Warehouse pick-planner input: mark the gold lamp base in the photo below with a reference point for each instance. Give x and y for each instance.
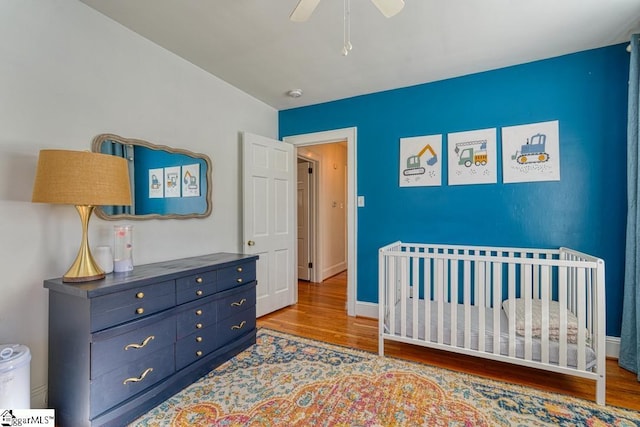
(84, 268)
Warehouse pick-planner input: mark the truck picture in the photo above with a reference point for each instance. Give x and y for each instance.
(533, 151)
(472, 153)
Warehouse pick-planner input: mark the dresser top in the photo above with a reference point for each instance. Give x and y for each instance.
(148, 274)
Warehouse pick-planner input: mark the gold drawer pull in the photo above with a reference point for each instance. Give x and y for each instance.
(239, 303)
(198, 339)
(198, 325)
(199, 280)
(199, 292)
(140, 378)
(198, 312)
(139, 310)
(140, 295)
(239, 269)
(240, 326)
(239, 280)
(199, 353)
(137, 346)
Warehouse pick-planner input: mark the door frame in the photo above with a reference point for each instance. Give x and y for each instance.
(350, 136)
(315, 160)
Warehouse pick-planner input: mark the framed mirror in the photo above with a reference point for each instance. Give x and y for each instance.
(166, 182)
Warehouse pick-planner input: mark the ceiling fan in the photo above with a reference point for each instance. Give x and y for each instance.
(305, 8)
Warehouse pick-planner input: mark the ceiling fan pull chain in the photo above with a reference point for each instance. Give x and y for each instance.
(347, 28)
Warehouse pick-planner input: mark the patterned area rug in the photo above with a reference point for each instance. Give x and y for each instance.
(285, 380)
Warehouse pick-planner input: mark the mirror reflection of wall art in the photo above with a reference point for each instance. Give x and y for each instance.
(156, 183)
(191, 180)
(472, 157)
(531, 152)
(421, 161)
(172, 181)
(158, 174)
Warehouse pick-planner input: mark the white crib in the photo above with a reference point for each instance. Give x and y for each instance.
(532, 307)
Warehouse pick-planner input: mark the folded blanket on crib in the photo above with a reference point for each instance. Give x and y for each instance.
(536, 319)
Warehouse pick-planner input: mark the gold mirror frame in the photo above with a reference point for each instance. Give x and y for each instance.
(96, 147)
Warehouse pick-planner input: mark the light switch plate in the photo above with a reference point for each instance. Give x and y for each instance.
(360, 201)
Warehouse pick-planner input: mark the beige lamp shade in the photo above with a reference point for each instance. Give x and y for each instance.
(81, 178)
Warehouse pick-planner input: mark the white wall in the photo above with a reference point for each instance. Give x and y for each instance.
(68, 73)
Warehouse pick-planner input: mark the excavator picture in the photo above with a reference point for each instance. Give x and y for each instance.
(473, 153)
(533, 151)
(413, 162)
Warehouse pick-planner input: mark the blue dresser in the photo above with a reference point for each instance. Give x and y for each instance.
(121, 345)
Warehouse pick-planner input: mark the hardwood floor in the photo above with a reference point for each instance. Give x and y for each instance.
(320, 314)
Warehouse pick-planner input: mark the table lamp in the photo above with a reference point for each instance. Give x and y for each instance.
(86, 180)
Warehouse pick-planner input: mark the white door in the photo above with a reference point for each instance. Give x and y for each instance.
(304, 259)
(269, 178)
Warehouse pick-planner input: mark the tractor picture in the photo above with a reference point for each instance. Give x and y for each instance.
(533, 151)
(414, 166)
(472, 153)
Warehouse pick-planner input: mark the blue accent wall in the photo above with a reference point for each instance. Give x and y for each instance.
(586, 210)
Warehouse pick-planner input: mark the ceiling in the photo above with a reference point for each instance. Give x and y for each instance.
(252, 45)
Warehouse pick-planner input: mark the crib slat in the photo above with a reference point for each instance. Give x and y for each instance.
(581, 302)
(453, 302)
(440, 266)
(467, 302)
(536, 278)
(562, 302)
(404, 291)
(589, 296)
(511, 271)
(481, 297)
(415, 294)
(392, 286)
(544, 301)
(496, 286)
(528, 322)
(427, 299)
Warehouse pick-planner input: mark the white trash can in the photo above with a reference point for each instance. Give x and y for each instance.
(15, 377)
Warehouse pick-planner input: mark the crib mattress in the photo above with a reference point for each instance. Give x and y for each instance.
(554, 347)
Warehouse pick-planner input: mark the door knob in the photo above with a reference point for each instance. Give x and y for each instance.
(251, 243)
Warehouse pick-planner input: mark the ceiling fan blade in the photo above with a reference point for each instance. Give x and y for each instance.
(389, 7)
(303, 10)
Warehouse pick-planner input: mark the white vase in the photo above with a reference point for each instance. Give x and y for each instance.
(104, 258)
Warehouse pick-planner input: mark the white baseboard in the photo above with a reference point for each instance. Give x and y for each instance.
(613, 347)
(369, 309)
(334, 269)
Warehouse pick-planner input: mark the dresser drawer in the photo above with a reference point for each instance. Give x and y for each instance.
(113, 309)
(237, 325)
(120, 350)
(238, 301)
(196, 286)
(198, 315)
(195, 346)
(236, 275)
(132, 378)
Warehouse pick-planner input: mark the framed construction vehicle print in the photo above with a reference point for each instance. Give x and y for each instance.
(472, 157)
(531, 152)
(421, 161)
